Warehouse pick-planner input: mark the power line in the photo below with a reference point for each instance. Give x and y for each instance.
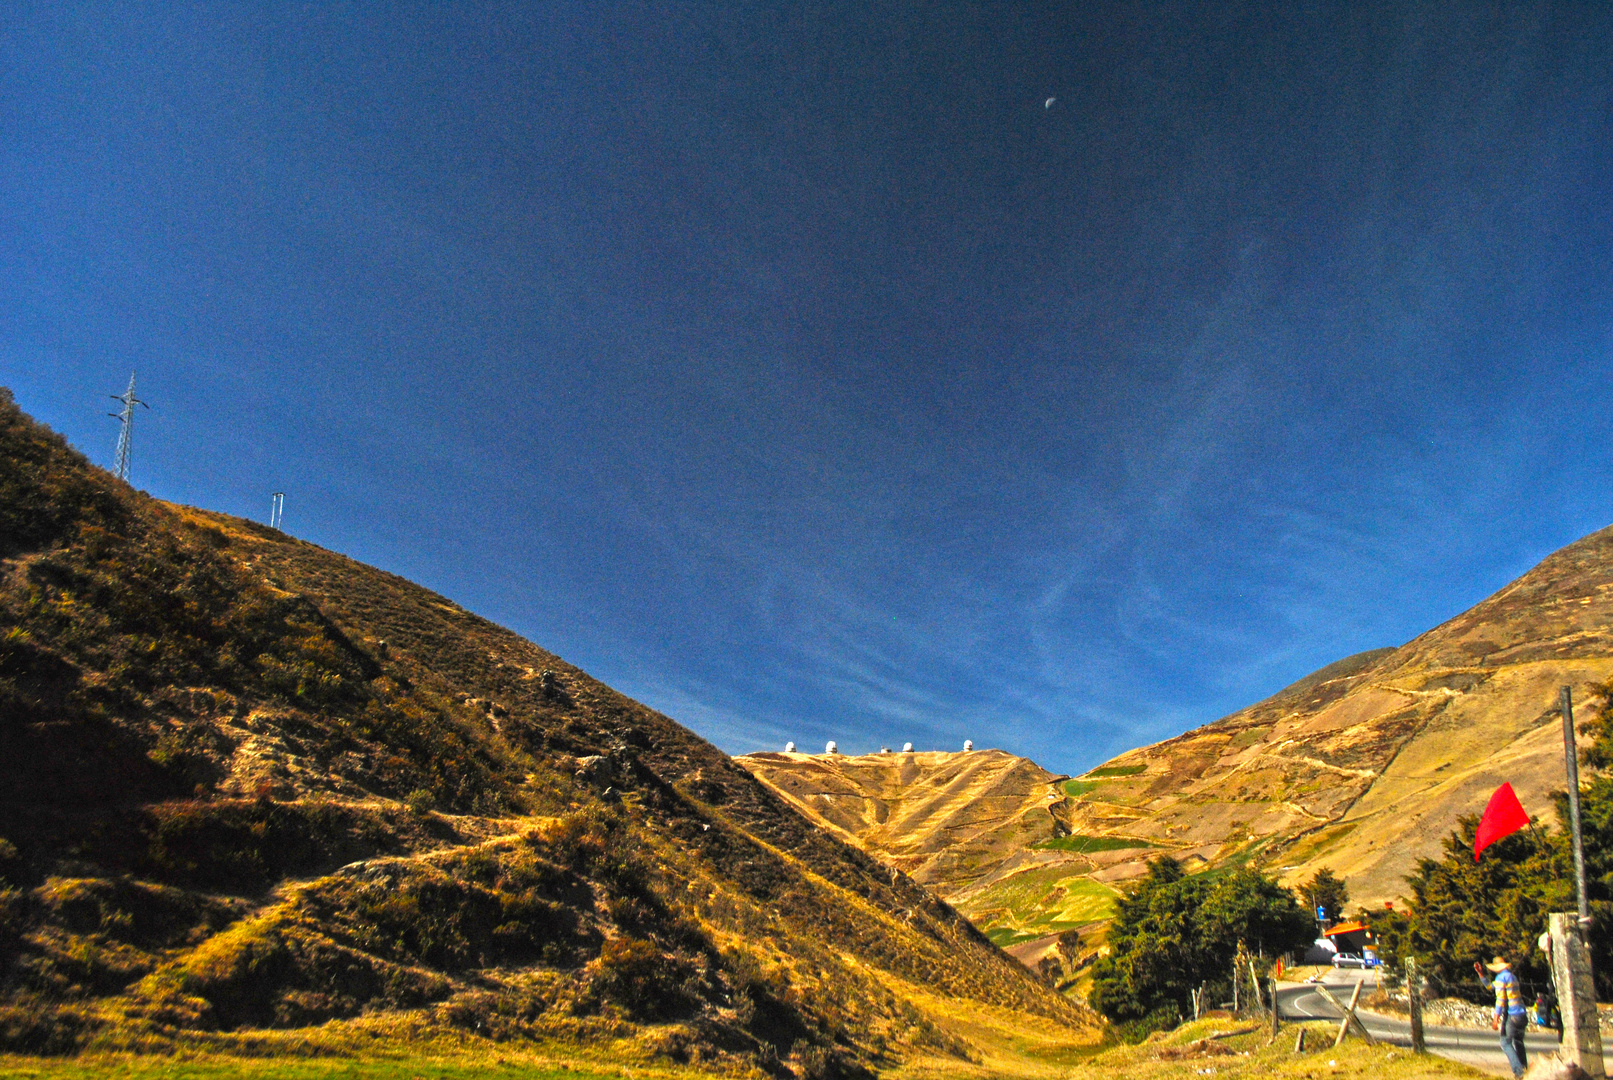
(125, 451)
(277, 509)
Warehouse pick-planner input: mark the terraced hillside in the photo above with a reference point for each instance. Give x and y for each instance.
(249, 786)
(985, 830)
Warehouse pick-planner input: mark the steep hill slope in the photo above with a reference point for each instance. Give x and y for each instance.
(247, 784)
(1365, 766)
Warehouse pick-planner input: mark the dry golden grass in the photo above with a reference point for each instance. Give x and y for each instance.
(1001, 1042)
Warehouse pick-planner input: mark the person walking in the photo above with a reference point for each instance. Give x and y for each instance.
(1511, 1015)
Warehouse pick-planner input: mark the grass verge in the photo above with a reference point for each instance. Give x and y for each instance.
(318, 1056)
(1190, 1050)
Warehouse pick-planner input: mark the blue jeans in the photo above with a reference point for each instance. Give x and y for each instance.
(1512, 1029)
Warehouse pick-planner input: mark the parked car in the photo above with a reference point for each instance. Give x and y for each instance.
(1349, 960)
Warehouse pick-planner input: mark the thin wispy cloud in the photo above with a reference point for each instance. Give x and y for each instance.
(855, 398)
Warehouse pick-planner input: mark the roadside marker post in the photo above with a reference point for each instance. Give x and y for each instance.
(1570, 956)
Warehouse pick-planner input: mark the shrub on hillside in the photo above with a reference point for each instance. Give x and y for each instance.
(643, 981)
(47, 487)
(246, 844)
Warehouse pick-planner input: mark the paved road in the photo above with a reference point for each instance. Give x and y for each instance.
(1481, 1049)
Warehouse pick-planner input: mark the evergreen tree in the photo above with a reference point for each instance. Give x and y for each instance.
(1327, 891)
(1173, 932)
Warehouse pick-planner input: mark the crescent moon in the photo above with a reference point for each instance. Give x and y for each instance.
(1048, 104)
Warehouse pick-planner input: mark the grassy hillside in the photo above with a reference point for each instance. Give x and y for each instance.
(257, 797)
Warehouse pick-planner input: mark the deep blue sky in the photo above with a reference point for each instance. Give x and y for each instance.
(801, 374)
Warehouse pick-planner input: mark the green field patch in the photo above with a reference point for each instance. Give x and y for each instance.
(1246, 854)
(1248, 737)
(1004, 936)
(1117, 770)
(1042, 901)
(1078, 787)
(1086, 845)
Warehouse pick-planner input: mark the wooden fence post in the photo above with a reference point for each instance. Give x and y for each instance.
(1349, 1014)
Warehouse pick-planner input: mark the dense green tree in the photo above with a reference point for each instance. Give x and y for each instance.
(1174, 931)
(1327, 891)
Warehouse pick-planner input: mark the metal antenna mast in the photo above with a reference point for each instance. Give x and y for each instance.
(277, 509)
(126, 434)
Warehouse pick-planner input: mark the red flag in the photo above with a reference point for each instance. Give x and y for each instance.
(1503, 817)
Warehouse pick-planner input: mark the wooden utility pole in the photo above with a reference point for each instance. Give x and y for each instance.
(1414, 1005)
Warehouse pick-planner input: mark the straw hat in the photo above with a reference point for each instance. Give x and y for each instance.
(1498, 964)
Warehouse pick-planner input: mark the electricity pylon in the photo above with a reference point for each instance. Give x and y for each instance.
(126, 434)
